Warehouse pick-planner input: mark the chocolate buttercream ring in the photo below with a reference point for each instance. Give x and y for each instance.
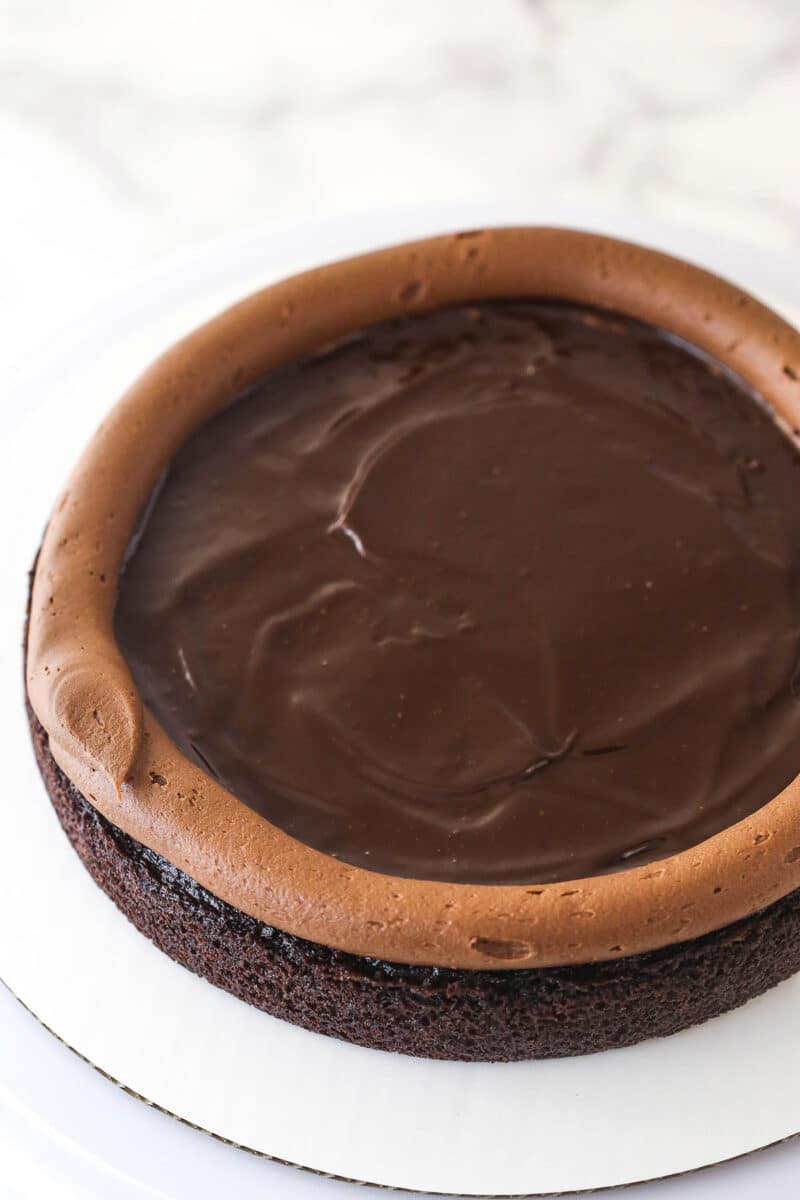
(120, 758)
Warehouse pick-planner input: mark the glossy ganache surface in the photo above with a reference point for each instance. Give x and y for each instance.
(506, 593)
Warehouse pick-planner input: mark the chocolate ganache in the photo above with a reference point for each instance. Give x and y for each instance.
(506, 593)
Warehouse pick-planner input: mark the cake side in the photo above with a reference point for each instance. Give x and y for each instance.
(429, 1012)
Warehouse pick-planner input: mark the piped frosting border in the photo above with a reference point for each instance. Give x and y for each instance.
(115, 752)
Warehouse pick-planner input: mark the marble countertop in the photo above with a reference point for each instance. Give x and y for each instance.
(128, 131)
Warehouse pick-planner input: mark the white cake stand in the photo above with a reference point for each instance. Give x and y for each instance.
(654, 1110)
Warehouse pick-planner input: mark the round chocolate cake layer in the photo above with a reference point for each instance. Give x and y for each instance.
(425, 1011)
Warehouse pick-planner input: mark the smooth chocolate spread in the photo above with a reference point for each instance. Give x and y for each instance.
(505, 593)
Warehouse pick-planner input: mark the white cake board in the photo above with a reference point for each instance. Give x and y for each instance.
(657, 1109)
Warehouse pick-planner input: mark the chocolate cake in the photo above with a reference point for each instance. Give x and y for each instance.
(414, 652)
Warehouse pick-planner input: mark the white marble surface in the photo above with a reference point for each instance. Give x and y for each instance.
(129, 130)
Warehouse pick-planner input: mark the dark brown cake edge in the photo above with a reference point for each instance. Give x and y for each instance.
(429, 1012)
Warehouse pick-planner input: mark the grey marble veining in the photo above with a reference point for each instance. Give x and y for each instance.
(130, 130)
